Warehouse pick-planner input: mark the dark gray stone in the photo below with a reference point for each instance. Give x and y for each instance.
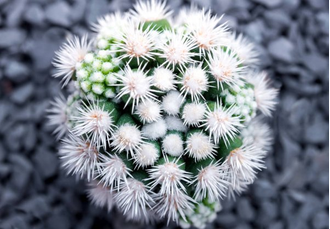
(277, 18)
(287, 178)
(312, 205)
(243, 226)
(318, 131)
(242, 5)
(310, 153)
(316, 63)
(34, 14)
(8, 197)
(36, 206)
(296, 222)
(268, 213)
(45, 162)
(230, 20)
(324, 104)
(122, 5)
(202, 3)
(17, 71)
(227, 205)
(71, 201)
(325, 201)
(287, 205)
(269, 4)
(322, 42)
(39, 184)
(16, 11)
(15, 221)
(26, 113)
(255, 30)
(5, 129)
(95, 10)
(209, 226)
(263, 189)
(44, 137)
(281, 49)
(30, 140)
(297, 196)
(39, 109)
(317, 177)
(321, 184)
(291, 4)
(15, 136)
(42, 47)
(131, 225)
(2, 2)
(291, 149)
(241, 15)
(86, 223)
(11, 37)
(58, 13)
(321, 220)
(174, 5)
(306, 77)
(3, 152)
(244, 209)
(59, 218)
(4, 170)
(276, 225)
(227, 220)
(222, 6)
(22, 94)
(77, 11)
(323, 20)
(318, 4)
(21, 173)
(296, 116)
(302, 89)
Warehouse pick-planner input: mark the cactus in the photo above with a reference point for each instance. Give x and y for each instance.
(165, 119)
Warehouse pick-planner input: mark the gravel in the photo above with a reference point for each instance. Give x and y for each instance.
(23, 93)
(292, 37)
(269, 4)
(11, 37)
(58, 13)
(17, 71)
(282, 49)
(34, 15)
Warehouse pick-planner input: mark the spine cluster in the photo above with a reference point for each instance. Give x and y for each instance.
(166, 116)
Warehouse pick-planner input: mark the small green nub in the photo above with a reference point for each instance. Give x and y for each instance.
(125, 119)
(159, 25)
(211, 105)
(213, 91)
(156, 144)
(194, 167)
(180, 162)
(180, 134)
(140, 175)
(111, 108)
(193, 131)
(224, 150)
(126, 160)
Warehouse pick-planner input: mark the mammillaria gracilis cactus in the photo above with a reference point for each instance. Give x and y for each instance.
(165, 117)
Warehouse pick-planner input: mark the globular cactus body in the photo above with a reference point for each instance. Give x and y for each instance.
(164, 120)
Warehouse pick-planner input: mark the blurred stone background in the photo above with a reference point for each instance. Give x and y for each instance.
(292, 36)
